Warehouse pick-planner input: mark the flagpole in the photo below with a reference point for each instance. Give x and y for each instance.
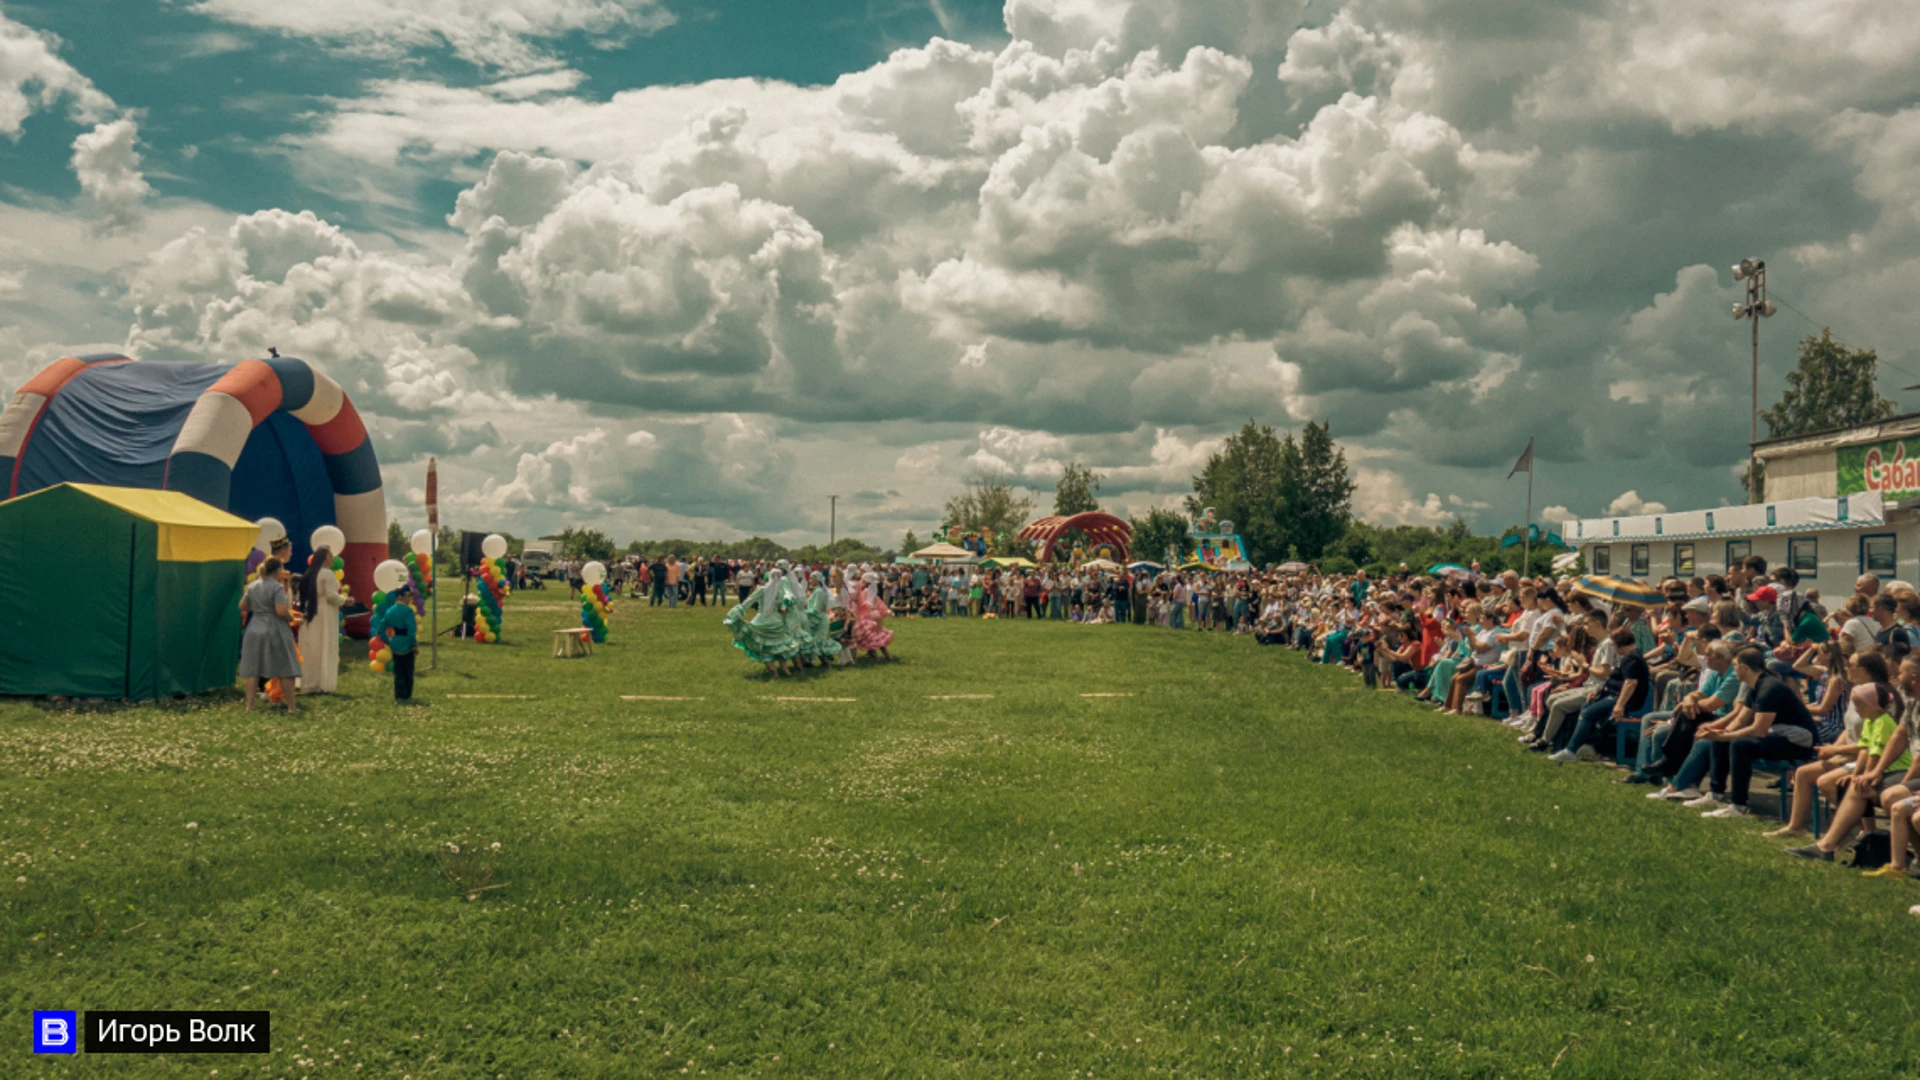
(1526, 558)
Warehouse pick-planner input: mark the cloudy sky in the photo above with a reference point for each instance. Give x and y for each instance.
(685, 267)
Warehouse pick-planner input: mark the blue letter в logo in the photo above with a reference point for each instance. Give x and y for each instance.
(54, 1032)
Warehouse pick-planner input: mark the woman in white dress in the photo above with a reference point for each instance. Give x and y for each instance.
(320, 603)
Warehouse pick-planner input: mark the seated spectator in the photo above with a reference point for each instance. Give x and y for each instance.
(1624, 694)
(1711, 699)
(1881, 769)
(1836, 758)
(1576, 690)
(1774, 725)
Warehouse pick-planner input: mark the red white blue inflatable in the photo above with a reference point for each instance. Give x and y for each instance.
(265, 438)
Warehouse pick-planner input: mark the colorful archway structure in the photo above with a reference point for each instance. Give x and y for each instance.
(264, 438)
(1100, 528)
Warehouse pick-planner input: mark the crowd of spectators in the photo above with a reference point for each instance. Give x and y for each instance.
(1723, 677)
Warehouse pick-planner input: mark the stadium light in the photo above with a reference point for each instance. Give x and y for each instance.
(1757, 307)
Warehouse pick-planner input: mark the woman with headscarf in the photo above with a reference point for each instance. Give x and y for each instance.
(320, 603)
(799, 626)
(870, 636)
(764, 637)
(820, 641)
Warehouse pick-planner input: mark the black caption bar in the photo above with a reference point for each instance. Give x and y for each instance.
(135, 1032)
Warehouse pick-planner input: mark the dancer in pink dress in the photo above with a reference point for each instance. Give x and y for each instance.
(869, 614)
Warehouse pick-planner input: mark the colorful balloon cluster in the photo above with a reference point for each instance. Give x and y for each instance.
(493, 588)
(419, 563)
(388, 576)
(595, 604)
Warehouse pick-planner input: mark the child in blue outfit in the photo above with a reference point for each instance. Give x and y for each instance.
(399, 627)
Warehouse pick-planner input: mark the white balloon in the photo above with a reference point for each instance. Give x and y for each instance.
(390, 575)
(270, 530)
(422, 542)
(494, 546)
(593, 573)
(329, 537)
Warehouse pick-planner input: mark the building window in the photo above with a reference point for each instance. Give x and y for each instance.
(1602, 559)
(1877, 555)
(1642, 560)
(1737, 552)
(1803, 554)
(1683, 560)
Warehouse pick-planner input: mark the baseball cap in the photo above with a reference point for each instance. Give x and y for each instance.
(1765, 594)
(1700, 604)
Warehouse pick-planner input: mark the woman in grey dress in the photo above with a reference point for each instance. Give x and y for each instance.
(266, 648)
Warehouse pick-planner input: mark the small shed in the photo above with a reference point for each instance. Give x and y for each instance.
(114, 592)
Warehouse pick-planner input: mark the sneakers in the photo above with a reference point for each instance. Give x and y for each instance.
(1634, 778)
(1887, 871)
(1539, 746)
(1563, 756)
(1528, 737)
(1732, 810)
(1476, 696)
(1703, 802)
(1814, 852)
(1588, 753)
(1663, 792)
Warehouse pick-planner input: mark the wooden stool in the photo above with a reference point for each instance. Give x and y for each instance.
(570, 643)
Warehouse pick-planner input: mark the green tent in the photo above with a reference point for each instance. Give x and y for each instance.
(119, 592)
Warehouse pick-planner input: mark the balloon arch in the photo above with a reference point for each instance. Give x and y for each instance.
(1099, 528)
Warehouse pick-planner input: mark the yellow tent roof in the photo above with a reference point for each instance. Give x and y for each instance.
(190, 530)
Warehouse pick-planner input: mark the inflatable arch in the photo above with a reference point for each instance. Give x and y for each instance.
(264, 438)
(1100, 528)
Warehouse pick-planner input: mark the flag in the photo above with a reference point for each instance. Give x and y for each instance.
(433, 496)
(1525, 464)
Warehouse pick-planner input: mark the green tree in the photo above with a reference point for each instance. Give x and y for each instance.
(1243, 482)
(989, 507)
(910, 543)
(397, 546)
(1076, 490)
(585, 543)
(1832, 387)
(1158, 531)
(1316, 489)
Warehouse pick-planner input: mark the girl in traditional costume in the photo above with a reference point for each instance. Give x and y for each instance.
(765, 638)
(870, 635)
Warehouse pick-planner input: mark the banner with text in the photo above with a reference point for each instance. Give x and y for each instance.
(1891, 468)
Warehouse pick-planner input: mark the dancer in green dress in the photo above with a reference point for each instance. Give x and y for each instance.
(821, 643)
(765, 638)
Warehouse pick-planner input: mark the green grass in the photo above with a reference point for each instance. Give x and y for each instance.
(1249, 867)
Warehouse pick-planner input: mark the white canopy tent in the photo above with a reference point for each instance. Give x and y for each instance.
(946, 553)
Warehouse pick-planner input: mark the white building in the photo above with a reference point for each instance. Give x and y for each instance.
(1840, 504)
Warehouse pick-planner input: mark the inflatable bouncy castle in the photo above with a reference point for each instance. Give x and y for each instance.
(264, 438)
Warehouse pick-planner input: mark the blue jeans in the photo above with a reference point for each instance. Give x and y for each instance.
(1699, 762)
(1516, 695)
(1653, 737)
(1483, 682)
(1595, 719)
(1177, 618)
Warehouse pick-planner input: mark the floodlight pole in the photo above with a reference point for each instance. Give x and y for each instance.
(1757, 307)
(833, 508)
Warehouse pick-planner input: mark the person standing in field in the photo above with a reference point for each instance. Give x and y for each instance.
(266, 646)
(320, 603)
(399, 629)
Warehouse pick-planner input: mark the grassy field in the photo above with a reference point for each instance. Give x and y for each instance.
(1246, 866)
